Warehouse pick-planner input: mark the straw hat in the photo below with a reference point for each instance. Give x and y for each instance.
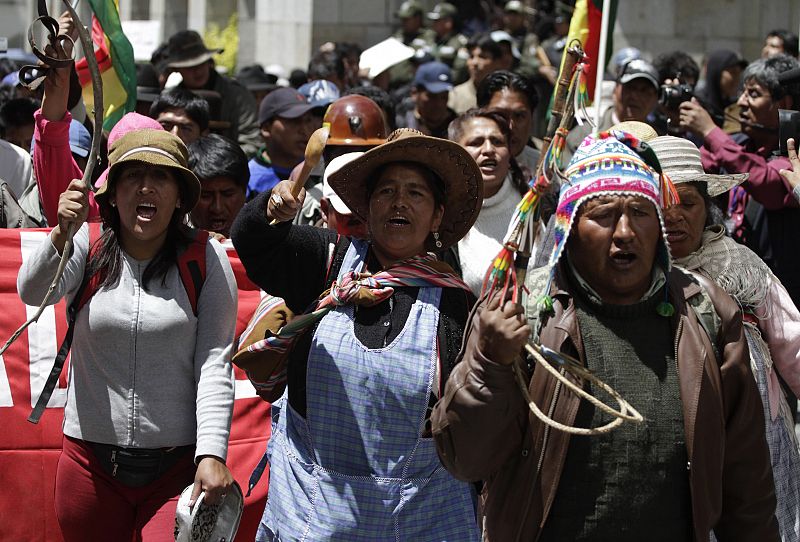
(642, 130)
(157, 148)
(463, 184)
(680, 160)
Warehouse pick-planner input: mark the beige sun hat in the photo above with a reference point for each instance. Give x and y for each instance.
(463, 183)
(681, 161)
(642, 130)
(155, 148)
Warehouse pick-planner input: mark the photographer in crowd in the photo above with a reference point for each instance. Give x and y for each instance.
(678, 74)
(767, 222)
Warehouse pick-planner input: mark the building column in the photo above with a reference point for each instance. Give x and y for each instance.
(196, 16)
(279, 33)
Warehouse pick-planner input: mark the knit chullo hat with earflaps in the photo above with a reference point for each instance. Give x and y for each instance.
(612, 163)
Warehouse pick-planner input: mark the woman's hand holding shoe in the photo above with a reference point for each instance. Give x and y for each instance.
(214, 478)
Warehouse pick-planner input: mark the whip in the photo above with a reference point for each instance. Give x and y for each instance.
(509, 268)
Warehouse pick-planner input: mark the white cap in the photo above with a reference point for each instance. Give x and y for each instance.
(327, 191)
(382, 56)
(499, 36)
(276, 70)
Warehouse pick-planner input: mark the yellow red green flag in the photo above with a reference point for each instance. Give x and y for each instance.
(114, 55)
(585, 27)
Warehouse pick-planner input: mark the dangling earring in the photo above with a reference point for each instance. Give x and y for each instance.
(178, 204)
(436, 240)
(113, 203)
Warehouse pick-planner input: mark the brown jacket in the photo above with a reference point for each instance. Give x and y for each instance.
(484, 430)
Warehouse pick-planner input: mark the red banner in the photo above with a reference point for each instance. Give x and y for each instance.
(29, 453)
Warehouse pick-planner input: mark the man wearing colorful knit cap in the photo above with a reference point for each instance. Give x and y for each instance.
(669, 343)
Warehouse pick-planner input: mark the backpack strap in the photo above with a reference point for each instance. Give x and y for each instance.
(192, 267)
(87, 288)
(89, 285)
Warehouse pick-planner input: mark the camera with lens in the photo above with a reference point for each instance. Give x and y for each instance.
(788, 120)
(672, 96)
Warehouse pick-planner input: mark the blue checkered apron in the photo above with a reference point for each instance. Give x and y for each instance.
(355, 469)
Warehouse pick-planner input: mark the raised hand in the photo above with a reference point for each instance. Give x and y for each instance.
(792, 176)
(281, 205)
(503, 330)
(73, 208)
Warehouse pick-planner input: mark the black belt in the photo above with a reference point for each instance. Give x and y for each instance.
(137, 467)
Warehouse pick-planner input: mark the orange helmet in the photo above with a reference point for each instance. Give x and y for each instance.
(355, 120)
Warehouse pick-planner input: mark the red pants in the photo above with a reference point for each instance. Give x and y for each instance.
(92, 506)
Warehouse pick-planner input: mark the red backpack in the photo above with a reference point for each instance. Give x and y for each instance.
(192, 270)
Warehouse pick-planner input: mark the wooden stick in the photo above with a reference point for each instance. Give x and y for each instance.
(97, 89)
(314, 148)
(574, 55)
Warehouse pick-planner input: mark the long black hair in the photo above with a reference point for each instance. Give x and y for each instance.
(106, 253)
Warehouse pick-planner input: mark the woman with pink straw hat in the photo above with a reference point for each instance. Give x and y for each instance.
(53, 163)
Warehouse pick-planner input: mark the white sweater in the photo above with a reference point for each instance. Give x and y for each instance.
(145, 372)
(484, 240)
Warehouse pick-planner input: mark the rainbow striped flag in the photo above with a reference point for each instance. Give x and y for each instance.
(114, 55)
(585, 27)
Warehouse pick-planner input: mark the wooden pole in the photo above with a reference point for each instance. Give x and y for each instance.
(601, 64)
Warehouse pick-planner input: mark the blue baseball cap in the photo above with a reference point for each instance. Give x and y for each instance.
(319, 93)
(435, 77)
(10, 80)
(80, 140)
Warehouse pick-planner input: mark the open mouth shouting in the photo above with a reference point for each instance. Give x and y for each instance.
(218, 224)
(398, 221)
(676, 236)
(146, 211)
(488, 166)
(623, 259)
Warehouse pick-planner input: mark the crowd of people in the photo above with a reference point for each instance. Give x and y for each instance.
(404, 403)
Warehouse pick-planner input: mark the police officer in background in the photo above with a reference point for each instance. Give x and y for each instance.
(449, 44)
(412, 33)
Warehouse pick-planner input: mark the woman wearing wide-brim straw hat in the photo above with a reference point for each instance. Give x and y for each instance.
(771, 321)
(351, 455)
(150, 393)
